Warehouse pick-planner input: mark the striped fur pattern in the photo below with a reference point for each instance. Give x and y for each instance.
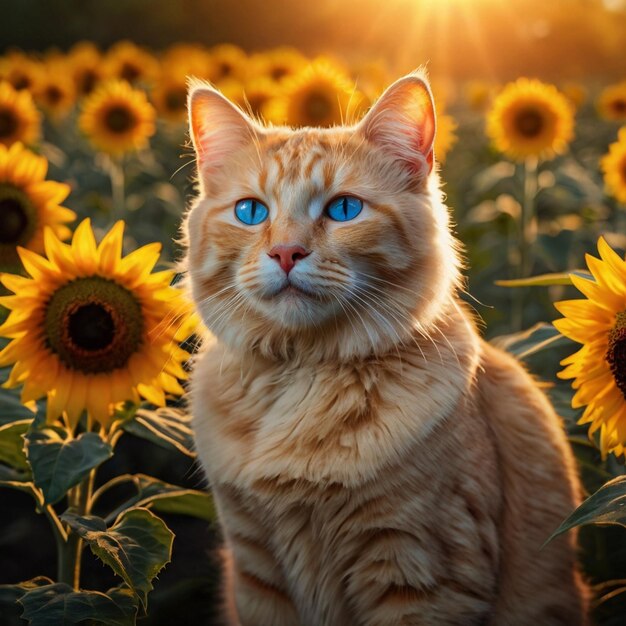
(373, 461)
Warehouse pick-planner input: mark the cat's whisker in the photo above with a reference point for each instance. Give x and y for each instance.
(192, 161)
(224, 309)
(409, 329)
(385, 321)
(338, 298)
(365, 326)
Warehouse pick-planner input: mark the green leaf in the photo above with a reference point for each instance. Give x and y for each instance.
(27, 487)
(10, 594)
(136, 547)
(11, 407)
(58, 603)
(605, 506)
(12, 444)
(13, 475)
(167, 498)
(186, 502)
(58, 463)
(528, 342)
(167, 427)
(545, 280)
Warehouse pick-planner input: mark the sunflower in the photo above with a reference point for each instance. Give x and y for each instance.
(117, 118)
(129, 62)
(227, 61)
(28, 204)
(320, 95)
(277, 64)
(19, 118)
(55, 91)
(445, 137)
(170, 96)
(258, 93)
(86, 67)
(599, 367)
(232, 89)
(91, 329)
(612, 102)
(530, 118)
(22, 71)
(183, 60)
(614, 167)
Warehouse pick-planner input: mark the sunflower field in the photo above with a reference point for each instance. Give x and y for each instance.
(96, 170)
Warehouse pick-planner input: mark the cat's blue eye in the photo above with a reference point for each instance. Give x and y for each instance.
(344, 208)
(251, 212)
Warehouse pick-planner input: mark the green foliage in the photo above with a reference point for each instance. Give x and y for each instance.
(544, 280)
(58, 603)
(167, 427)
(12, 593)
(528, 342)
(12, 444)
(605, 506)
(11, 409)
(167, 498)
(56, 466)
(136, 547)
(60, 462)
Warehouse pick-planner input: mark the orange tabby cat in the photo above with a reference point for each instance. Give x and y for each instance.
(373, 461)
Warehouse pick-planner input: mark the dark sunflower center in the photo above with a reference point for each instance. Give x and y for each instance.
(278, 72)
(318, 107)
(619, 106)
(130, 72)
(53, 94)
(176, 99)
(119, 119)
(88, 81)
(8, 123)
(257, 101)
(21, 81)
(616, 352)
(13, 220)
(94, 325)
(225, 69)
(529, 123)
(18, 216)
(91, 326)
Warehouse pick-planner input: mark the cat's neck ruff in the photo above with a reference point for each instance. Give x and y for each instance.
(329, 422)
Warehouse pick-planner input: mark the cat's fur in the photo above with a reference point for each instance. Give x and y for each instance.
(373, 461)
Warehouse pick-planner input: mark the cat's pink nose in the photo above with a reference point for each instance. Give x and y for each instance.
(287, 256)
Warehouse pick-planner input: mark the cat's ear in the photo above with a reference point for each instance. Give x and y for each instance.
(403, 122)
(217, 127)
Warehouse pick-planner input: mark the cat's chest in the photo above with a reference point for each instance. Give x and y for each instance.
(321, 423)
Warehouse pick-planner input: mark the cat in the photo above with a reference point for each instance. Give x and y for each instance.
(374, 462)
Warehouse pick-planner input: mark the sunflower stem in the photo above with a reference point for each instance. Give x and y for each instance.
(526, 236)
(116, 173)
(71, 551)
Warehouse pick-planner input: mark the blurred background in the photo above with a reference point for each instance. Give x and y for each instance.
(495, 39)
(472, 49)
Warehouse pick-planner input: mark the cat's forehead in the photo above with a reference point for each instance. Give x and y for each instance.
(296, 142)
(297, 154)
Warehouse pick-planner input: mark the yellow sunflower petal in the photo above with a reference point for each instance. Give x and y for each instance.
(87, 330)
(110, 248)
(598, 369)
